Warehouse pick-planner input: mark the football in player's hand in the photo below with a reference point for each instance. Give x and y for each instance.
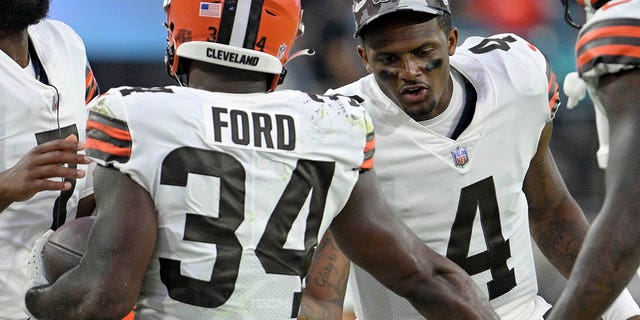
(66, 247)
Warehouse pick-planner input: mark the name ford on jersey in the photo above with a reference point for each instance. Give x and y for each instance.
(232, 57)
(260, 130)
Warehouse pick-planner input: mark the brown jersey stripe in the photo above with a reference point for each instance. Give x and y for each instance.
(100, 150)
(369, 151)
(608, 35)
(617, 54)
(106, 147)
(97, 134)
(554, 93)
(91, 84)
(108, 121)
(112, 132)
(553, 88)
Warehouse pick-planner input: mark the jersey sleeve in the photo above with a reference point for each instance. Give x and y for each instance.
(108, 136)
(363, 123)
(519, 65)
(610, 41)
(92, 89)
(552, 86)
(370, 145)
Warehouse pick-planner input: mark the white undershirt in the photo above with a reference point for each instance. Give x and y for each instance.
(445, 123)
(30, 69)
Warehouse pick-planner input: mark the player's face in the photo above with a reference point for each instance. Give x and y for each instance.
(19, 14)
(410, 61)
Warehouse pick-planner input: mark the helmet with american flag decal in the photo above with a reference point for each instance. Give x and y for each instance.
(255, 35)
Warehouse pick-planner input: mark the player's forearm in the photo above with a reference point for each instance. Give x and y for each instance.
(326, 282)
(312, 309)
(450, 294)
(560, 233)
(74, 300)
(603, 269)
(5, 199)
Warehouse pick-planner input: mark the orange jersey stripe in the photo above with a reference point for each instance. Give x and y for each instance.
(613, 31)
(611, 50)
(89, 79)
(129, 316)
(90, 95)
(370, 145)
(553, 87)
(367, 164)
(111, 131)
(106, 147)
(554, 100)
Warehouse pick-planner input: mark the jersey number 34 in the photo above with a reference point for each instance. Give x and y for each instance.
(275, 259)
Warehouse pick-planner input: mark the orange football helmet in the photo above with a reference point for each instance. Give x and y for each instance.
(255, 35)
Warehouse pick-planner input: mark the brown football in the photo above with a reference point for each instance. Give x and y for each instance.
(66, 247)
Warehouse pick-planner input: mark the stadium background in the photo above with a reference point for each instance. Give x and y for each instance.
(125, 43)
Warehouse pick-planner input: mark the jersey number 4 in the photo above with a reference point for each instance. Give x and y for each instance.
(308, 177)
(481, 196)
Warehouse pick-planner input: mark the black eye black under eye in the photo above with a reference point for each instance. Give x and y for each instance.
(434, 64)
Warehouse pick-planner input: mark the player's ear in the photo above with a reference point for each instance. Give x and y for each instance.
(452, 40)
(362, 52)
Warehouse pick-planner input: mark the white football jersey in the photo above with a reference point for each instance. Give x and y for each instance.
(464, 197)
(244, 185)
(607, 44)
(29, 118)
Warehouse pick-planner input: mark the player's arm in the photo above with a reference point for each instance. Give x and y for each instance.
(374, 238)
(326, 282)
(35, 170)
(557, 223)
(106, 283)
(611, 252)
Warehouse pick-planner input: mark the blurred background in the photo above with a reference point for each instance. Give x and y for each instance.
(125, 43)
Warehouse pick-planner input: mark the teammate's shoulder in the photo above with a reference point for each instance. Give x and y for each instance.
(616, 9)
(115, 102)
(331, 98)
(53, 24)
(351, 89)
(607, 43)
(55, 30)
(622, 14)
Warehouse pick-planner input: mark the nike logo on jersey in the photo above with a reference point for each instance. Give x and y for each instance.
(260, 130)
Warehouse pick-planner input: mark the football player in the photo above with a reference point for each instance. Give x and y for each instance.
(45, 82)
(462, 153)
(211, 198)
(608, 61)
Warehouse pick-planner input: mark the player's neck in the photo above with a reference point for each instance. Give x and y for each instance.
(16, 45)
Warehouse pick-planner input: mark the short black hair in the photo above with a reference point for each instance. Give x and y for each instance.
(444, 21)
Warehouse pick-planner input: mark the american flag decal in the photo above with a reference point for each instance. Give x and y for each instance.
(210, 9)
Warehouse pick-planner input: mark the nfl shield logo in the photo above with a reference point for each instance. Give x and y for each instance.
(460, 157)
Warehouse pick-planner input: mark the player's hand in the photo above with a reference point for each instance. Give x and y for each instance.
(634, 318)
(35, 266)
(34, 171)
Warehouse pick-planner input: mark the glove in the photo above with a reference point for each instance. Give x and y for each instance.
(35, 266)
(575, 89)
